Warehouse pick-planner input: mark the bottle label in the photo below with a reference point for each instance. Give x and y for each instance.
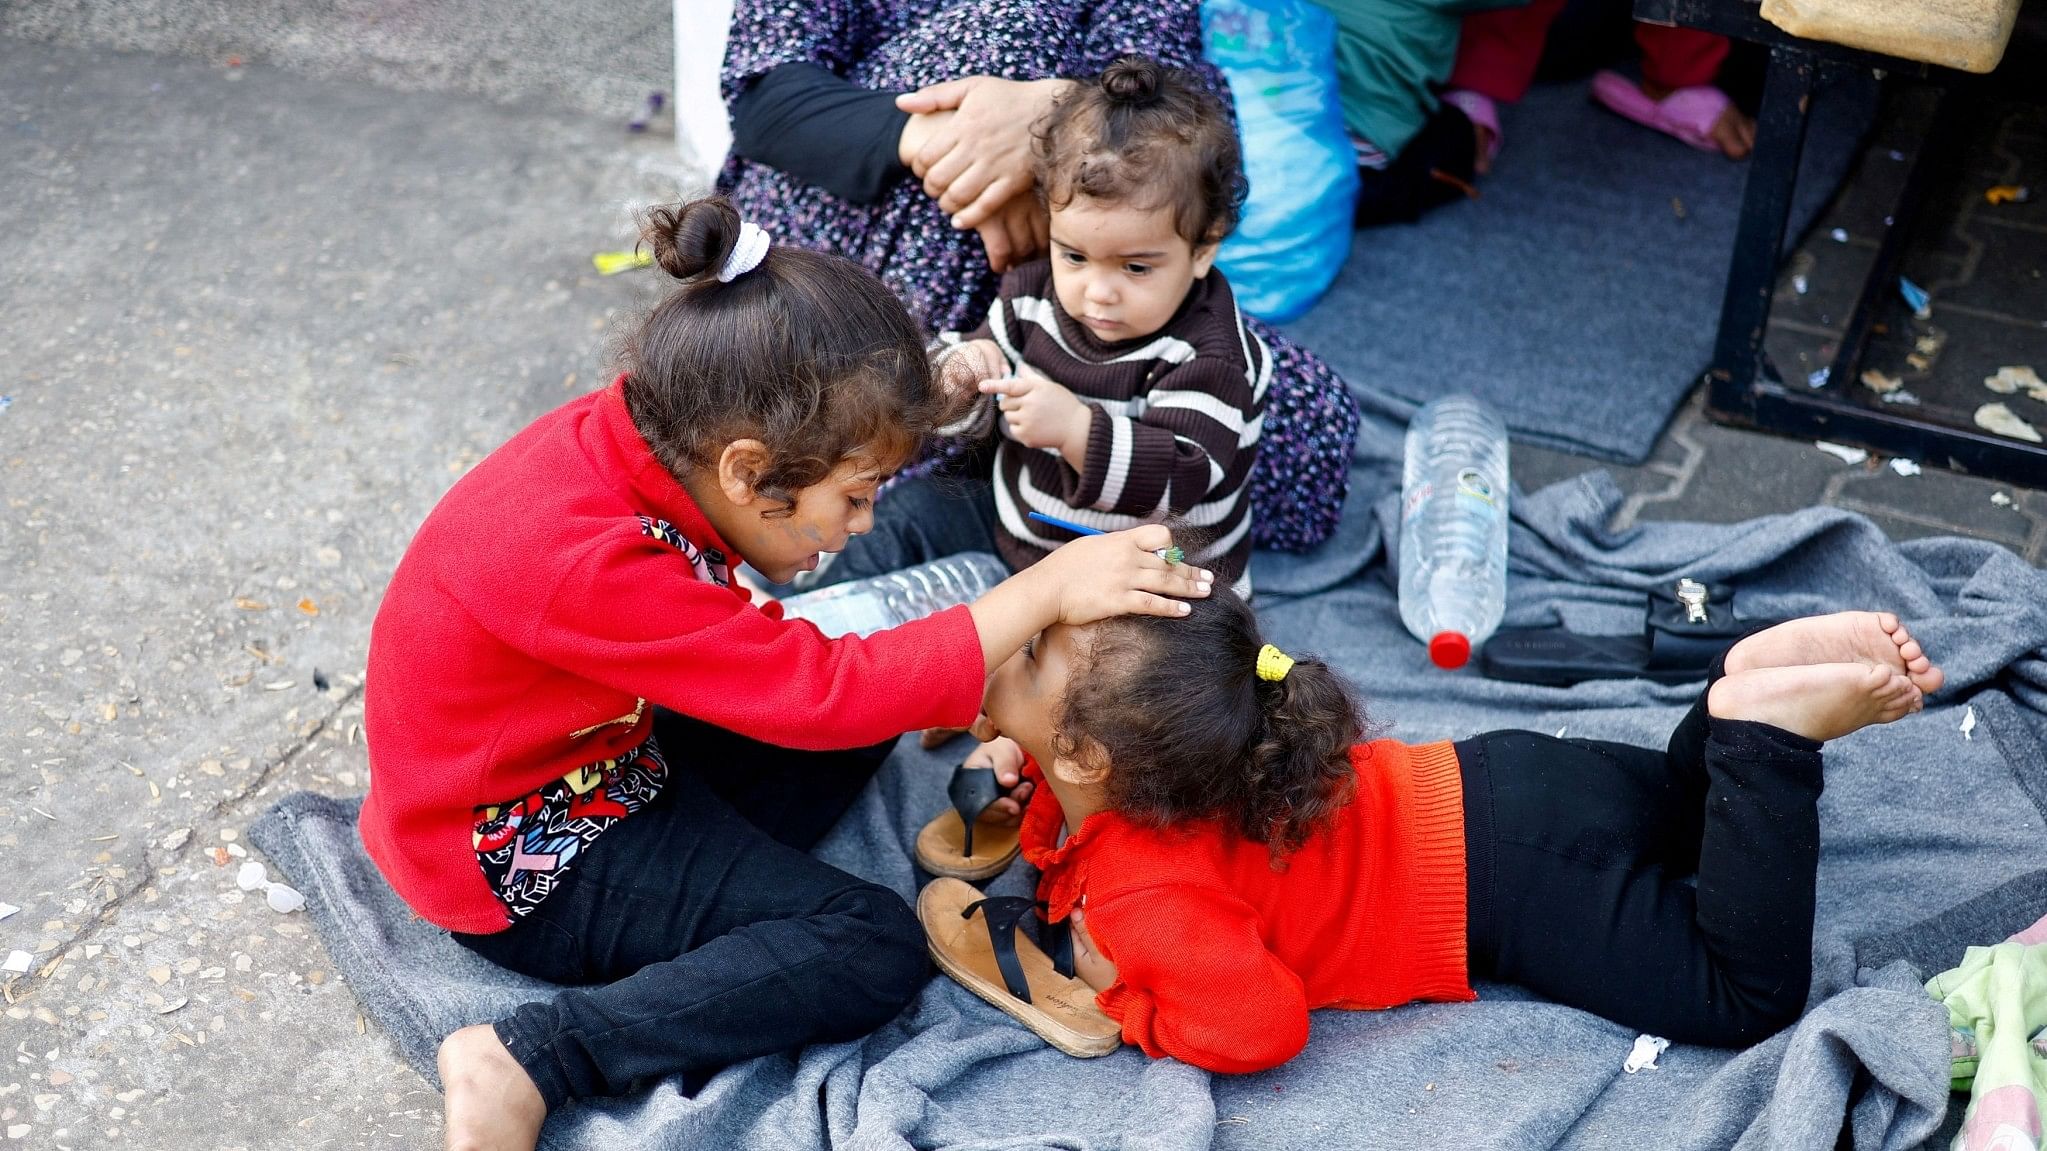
(1472, 482)
(1415, 499)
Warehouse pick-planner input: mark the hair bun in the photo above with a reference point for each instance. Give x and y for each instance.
(1134, 81)
(693, 239)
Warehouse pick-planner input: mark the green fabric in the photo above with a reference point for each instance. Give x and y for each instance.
(1996, 1002)
(1391, 57)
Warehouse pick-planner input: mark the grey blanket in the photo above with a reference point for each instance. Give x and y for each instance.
(1931, 841)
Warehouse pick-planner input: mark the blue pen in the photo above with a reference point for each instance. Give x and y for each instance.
(1171, 555)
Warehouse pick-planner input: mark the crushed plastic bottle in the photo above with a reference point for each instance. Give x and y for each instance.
(1453, 527)
(863, 607)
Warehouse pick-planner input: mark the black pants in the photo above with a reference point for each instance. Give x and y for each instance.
(700, 932)
(1579, 854)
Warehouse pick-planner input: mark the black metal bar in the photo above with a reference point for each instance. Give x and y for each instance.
(1759, 238)
(1793, 411)
(1878, 285)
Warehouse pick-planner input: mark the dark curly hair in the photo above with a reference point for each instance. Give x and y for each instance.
(809, 353)
(1176, 709)
(1149, 136)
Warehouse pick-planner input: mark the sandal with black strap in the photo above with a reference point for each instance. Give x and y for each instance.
(963, 843)
(995, 960)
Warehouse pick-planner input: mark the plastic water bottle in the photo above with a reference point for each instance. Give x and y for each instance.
(1453, 527)
(863, 607)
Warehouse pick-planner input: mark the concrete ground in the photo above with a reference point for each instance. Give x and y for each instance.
(260, 316)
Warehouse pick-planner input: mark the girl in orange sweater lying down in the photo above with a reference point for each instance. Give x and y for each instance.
(1229, 854)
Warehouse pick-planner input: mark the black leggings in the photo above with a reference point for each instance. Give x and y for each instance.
(1579, 853)
(698, 933)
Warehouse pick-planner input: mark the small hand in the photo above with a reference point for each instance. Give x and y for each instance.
(1016, 234)
(1120, 573)
(1093, 968)
(965, 365)
(1006, 757)
(1042, 413)
(980, 158)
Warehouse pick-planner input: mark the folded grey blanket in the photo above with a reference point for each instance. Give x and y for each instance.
(1918, 817)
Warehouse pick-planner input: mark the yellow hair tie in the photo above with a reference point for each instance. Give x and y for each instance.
(1273, 664)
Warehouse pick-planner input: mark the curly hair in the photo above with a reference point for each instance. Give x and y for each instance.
(1148, 136)
(809, 353)
(1176, 709)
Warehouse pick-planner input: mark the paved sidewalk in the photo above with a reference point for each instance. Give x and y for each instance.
(258, 320)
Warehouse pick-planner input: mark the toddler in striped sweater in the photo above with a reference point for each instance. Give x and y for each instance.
(1122, 386)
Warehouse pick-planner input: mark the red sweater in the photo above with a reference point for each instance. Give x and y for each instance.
(557, 589)
(1219, 957)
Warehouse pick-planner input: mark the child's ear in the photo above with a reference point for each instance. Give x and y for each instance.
(740, 467)
(1204, 258)
(1087, 765)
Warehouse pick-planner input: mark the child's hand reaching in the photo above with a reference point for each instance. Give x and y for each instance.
(1091, 578)
(1042, 413)
(1006, 757)
(969, 363)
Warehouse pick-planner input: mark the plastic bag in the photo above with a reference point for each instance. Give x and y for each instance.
(1280, 59)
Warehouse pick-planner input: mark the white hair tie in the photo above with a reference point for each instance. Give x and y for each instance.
(746, 254)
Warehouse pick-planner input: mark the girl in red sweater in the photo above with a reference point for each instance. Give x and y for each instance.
(595, 762)
(1228, 855)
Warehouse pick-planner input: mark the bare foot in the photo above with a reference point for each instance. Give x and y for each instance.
(490, 1101)
(1845, 637)
(1819, 701)
(1734, 131)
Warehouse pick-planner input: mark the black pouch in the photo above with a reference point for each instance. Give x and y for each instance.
(1686, 626)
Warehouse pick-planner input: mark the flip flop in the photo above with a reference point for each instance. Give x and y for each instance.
(1482, 113)
(979, 943)
(960, 844)
(1687, 114)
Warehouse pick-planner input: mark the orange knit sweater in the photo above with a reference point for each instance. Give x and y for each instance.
(1219, 957)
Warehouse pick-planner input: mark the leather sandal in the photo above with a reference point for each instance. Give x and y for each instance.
(979, 942)
(960, 844)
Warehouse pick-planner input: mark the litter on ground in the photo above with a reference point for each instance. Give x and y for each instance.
(1818, 377)
(2007, 194)
(1901, 396)
(7, 909)
(1915, 297)
(2001, 499)
(1969, 722)
(612, 263)
(2013, 377)
(1904, 467)
(2005, 422)
(1880, 382)
(1842, 452)
(17, 962)
(1643, 1056)
(1839, 235)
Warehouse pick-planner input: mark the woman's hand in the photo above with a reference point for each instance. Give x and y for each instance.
(980, 158)
(1006, 757)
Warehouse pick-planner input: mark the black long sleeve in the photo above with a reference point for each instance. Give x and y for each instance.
(822, 129)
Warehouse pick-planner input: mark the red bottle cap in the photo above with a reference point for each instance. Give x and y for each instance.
(1449, 649)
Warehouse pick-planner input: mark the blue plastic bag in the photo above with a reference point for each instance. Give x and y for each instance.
(1280, 58)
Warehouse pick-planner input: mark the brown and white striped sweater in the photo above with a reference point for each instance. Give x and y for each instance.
(1176, 419)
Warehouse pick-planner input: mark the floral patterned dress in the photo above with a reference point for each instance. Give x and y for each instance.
(1311, 421)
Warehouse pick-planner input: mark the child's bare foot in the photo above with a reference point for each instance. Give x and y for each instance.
(490, 1101)
(1819, 701)
(1875, 637)
(1734, 131)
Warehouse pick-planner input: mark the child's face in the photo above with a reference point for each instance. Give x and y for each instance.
(826, 515)
(1025, 693)
(1122, 271)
